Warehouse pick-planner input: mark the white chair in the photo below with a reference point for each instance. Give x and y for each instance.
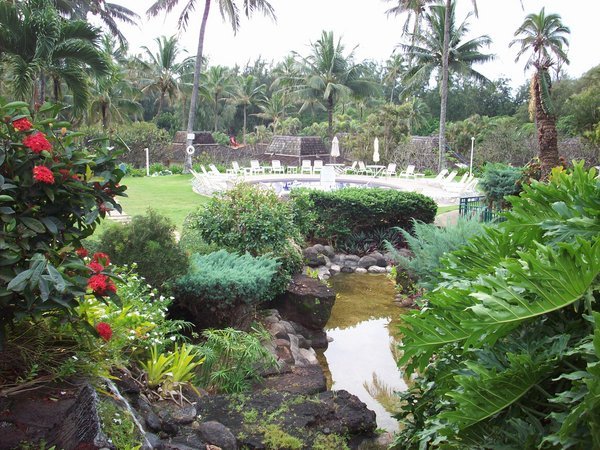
(204, 170)
(409, 172)
(276, 166)
(450, 177)
(463, 179)
(362, 169)
(214, 171)
(440, 176)
(390, 171)
(317, 166)
(306, 166)
(235, 170)
(255, 167)
(352, 168)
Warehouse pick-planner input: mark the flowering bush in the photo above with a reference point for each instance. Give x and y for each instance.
(52, 195)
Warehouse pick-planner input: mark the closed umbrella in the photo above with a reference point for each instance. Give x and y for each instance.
(376, 150)
(335, 148)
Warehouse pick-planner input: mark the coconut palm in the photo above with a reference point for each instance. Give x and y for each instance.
(427, 54)
(108, 13)
(216, 89)
(544, 37)
(414, 10)
(274, 109)
(328, 74)
(165, 71)
(38, 45)
(230, 11)
(395, 68)
(247, 93)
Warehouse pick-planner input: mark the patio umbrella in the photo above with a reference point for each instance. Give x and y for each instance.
(376, 151)
(335, 148)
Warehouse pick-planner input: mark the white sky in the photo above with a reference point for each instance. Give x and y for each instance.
(364, 23)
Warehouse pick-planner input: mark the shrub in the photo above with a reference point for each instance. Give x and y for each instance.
(233, 359)
(223, 289)
(149, 242)
(220, 138)
(363, 243)
(351, 210)
(249, 219)
(191, 239)
(52, 195)
(429, 244)
(500, 180)
(176, 169)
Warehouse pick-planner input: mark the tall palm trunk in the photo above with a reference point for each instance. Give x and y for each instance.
(330, 116)
(161, 101)
(194, 100)
(244, 129)
(216, 112)
(444, 88)
(42, 97)
(104, 110)
(546, 131)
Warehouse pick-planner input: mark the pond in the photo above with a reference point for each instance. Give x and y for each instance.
(361, 357)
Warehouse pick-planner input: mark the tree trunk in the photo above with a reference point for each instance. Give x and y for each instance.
(546, 132)
(444, 89)
(104, 109)
(194, 100)
(42, 97)
(330, 116)
(216, 112)
(161, 101)
(56, 85)
(244, 135)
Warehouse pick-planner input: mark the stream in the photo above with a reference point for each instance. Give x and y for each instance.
(361, 358)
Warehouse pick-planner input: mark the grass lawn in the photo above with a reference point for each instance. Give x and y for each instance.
(445, 209)
(171, 196)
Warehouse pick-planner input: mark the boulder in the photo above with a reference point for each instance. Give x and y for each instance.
(329, 251)
(347, 269)
(307, 301)
(306, 380)
(217, 434)
(360, 270)
(352, 258)
(381, 260)
(367, 261)
(377, 269)
(334, 269)
(313, 258)
(171, 413)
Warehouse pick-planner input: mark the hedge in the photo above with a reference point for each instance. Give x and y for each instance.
(337, 214)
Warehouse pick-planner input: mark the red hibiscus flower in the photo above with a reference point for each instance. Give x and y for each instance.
(104, 330)
(22, 124)
(95, 267)
(81, 252)
(101, 258)
(101, 284)
(37, 142)
(43, 175)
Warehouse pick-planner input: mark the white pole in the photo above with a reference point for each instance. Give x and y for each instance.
(471, 162)
(147, 162)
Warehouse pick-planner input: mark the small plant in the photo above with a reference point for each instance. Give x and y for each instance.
(312, 273)
(157, 367)
(118, 426)
(174, 367)
(330, 442)
(275, 438)
(499, 181)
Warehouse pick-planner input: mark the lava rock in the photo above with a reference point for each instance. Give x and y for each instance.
(367, 261)
(218, 434)
(377, 269)
(313, 258)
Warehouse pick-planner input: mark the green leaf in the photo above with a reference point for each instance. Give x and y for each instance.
(50, 223)
(16, 105)
(19, 282)
(6, 198)
(33, 224)
(56, 278)
(484, 392)
(49, 192)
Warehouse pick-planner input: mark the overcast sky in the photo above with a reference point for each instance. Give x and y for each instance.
(363, 23)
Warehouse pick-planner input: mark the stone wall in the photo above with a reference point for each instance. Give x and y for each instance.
(298, 146)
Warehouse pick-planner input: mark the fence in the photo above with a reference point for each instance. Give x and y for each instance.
(477, 207)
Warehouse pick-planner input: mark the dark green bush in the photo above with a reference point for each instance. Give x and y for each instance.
(223, 289)
(148, 241)
(362, 243)
(250, 219)
(340, 213)
(500, 180)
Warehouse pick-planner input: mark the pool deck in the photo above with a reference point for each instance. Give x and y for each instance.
(444, 194)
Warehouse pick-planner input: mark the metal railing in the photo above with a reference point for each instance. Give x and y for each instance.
(476, 207)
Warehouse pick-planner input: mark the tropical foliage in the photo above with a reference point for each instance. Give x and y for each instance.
(514, 323)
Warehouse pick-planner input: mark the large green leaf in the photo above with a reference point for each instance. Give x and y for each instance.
(484, 393)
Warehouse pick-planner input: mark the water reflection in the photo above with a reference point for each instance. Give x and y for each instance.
(360, 359)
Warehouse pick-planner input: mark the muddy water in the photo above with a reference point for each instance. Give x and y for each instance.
(361, 358)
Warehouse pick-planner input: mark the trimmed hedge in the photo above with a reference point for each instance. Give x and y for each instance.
(336, 215)
(222, 288)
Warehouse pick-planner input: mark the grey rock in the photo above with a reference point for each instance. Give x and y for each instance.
(170, 412)
(218, 434)
(329, 251)
(335, 269)
(278, 331)
(367, 261)
(352, 258)
(288, 327)
(313, 258)
(360, 270)
(377, 269)
(381, 261)
(308, 356)
(347, 269)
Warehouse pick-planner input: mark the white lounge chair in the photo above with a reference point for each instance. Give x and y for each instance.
(409, 172)
(352, 168)
(450, 177)
(317, 166)
(306, 166)
(362, 169)
(236, 169)
(390, 171)
(255, 167)
(276, 166)
(214, 171)
(440, 176)
(463, 179)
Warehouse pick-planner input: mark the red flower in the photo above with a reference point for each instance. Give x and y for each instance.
(101, 284)
(37, 142)
(22, 124)
(104, 330)
(43, 175)
(101, 258)
(96, 267)
(81, 252)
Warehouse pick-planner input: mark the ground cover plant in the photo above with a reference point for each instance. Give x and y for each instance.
(335, 215)
(508, 348)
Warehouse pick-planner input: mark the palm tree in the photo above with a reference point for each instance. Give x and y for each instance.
(230, 11)
(217, 87)
(544, 36)
(395, 68)
(247, 93)
(165, 71)
(427, 55)
(274, 109)
(38, 45)
(414, 9)
(328, 75)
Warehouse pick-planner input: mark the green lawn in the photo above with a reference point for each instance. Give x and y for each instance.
(445, 209)
(172, 196)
